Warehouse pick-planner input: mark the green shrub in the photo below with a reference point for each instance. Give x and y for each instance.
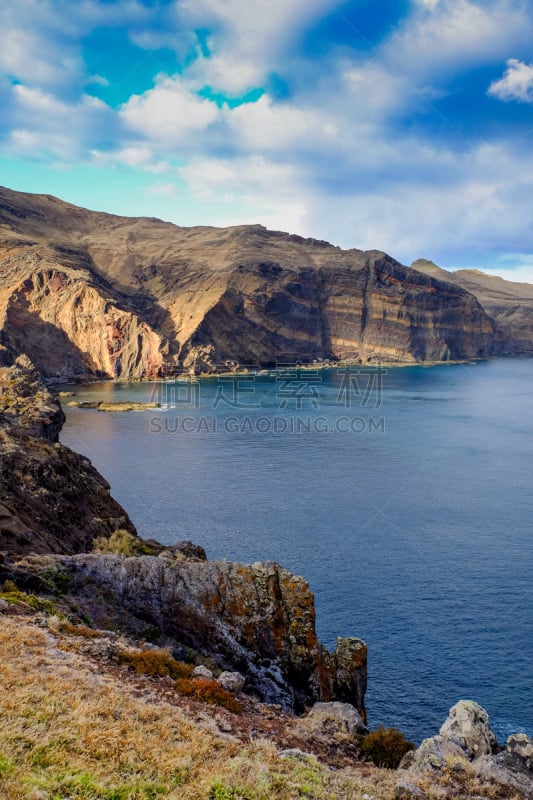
(386, 747)
(157, 663)
(12, 595)
(208, 691)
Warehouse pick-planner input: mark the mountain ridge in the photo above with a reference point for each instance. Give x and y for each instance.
(85, 294)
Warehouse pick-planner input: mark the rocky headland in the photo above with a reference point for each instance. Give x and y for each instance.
(509, 305)
(159, 639)
(56, 509)
(87, 294)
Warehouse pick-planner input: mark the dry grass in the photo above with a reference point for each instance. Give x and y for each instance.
(210, 692)
(64, 626)
(157, 663)
(66, 732)
(122, 543)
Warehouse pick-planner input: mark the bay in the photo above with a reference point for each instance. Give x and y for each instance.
(403, 496)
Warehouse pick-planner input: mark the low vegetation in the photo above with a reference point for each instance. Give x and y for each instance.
(386, 747)
(64, 626)
(208, 691)
(100, 742)
(71, 732)
(156, 663)
(122, 543)
(11, 594)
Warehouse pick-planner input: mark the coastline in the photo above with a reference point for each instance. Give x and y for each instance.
(65, 382)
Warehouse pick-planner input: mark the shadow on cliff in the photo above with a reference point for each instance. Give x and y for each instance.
(47, 345)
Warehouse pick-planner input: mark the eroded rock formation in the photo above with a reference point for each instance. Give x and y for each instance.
(258, 620)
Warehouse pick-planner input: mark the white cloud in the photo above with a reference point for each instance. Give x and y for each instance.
(428, 3)
(227, 73)
(266, 126)
(271, 191)
(169, 113)
(38, 124)
(28, 56)
(243, 176)
(255, 35)
(516, 83)
(454, 34)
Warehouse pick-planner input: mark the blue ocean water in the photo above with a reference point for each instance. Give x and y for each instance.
(404, 497)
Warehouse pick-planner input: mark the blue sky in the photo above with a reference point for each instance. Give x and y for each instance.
(402, 125)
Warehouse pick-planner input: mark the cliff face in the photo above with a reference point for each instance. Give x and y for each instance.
(509, 304)
(258, 619)
(88, 293)
(51, 499)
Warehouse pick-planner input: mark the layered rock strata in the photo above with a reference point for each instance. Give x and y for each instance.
(85, 293)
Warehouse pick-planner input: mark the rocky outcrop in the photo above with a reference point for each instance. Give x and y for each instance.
(509, 305)
(329, 720)
(466, 744)
(468, 726)
(51, 499)
(85, 293)
(257, 620)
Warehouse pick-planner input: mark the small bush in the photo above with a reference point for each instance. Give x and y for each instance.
(78, 630)
(208, 691)
(12, 595)
(122, 543)
(386, 747)
(56, 581)
(157, 663)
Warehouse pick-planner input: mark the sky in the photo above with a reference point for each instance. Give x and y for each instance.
(399, 125)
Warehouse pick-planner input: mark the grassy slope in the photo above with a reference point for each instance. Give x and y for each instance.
(68, 731)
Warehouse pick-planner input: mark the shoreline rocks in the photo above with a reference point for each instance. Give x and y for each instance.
(467, 744)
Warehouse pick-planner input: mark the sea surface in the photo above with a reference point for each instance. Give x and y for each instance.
(404, 496)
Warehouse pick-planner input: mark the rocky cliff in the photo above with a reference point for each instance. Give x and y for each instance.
(509, 305)
(51, 499)
(258, 620)
(85, 293)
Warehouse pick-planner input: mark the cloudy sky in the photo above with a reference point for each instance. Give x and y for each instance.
(403, 125)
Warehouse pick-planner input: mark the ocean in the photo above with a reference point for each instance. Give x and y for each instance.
(403, 495)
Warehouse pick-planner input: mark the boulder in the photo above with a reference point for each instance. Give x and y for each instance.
(326, 720)
(468, 726)
(408, 791)
(437, 753)
(521, 746)
(507, 770)
(202, 672)
(231, 681)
